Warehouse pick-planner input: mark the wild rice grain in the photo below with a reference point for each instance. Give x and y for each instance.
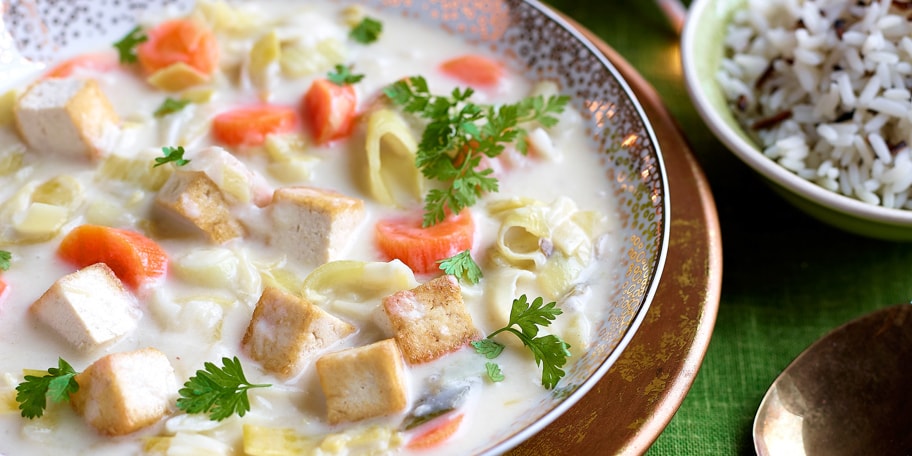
(824, 87)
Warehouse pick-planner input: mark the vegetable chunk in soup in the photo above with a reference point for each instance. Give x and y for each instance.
(287, 228)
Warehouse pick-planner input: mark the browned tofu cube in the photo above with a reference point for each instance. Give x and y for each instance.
(68, 116)
(430, 320)
(194, 198)
(286, 329)
(124, 392)
(363, 382)
(314, 225)
(89, 308)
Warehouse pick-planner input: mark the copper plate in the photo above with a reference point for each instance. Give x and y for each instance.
(628, 409)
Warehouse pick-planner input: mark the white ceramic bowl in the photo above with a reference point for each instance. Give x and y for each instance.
(533, 38)
(701, 53)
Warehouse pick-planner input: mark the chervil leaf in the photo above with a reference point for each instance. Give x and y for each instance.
(530, 316)
(367, 31)
(5, 260)
(550, 351)
(487, 347)
(494, 372)
(459, 133)
(342, 75)
(170, 106)
(126, 46)
(218, 391)
(58, 384)
(172, 154)
(462, 266)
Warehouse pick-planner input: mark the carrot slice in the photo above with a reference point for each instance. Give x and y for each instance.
(437, 434)
(250, 126)
(4, 289)
(473, 70)
(179, 40)
(421, 248)
(100, 62)
(329, 110)
(133, 257)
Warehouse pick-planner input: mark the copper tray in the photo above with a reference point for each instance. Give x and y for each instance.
(627, 410)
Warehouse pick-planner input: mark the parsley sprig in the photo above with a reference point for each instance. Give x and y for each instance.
(6, 259)
(58, 384)
(342, 75)
(217, 391)
(126, 46)
(172, 154)
(550, 351)
(367, 31)
(462, 266)
(460, 133)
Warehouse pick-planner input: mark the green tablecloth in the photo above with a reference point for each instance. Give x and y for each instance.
(787, 278)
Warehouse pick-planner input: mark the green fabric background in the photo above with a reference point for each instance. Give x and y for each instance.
(787, 279)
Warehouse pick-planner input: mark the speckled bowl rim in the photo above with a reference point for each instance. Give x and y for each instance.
(724, 127)
(655, 228)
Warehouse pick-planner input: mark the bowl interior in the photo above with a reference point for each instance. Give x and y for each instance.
(702, 54)
(533, 40)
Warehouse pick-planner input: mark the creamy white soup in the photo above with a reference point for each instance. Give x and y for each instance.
(268, 227)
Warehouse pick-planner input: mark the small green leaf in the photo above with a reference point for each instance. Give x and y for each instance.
(172, 154)
(462, 266)
(342, 75)
(170, 106)
(58, 384)
(218, 391)
(487, 347)
(367, 31)
(5, 260)
(494, 372)
(126, 46)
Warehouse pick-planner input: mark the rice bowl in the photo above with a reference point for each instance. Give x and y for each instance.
(812, 95)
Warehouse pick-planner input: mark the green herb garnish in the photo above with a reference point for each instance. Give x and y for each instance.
(172, 154)
(58, 384)
(219, 392)
(460, 133)
(342, 75)
(126, 46)
(170, 106)
(367, 31)
(462, 266)
(5, 260)
(550, 351)
(494, 372)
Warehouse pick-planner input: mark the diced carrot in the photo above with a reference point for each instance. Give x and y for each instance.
(329, 110)
(437, 434)
(249, 126)
(421, 248)
(179, 40)
(4, 289)
(100, 62)
(133, 257)
(474, 70)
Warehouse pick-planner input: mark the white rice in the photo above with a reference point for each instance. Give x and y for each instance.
(835, 74)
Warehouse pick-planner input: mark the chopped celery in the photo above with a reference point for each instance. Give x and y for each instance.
(267, 441)
(64, 191)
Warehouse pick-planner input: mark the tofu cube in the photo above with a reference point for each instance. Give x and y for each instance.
(285, 330)
(66, 116)
(89, 308)
(124, 392)
(193, 197)
(313, 225)
(430, 320)
(363, 382)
